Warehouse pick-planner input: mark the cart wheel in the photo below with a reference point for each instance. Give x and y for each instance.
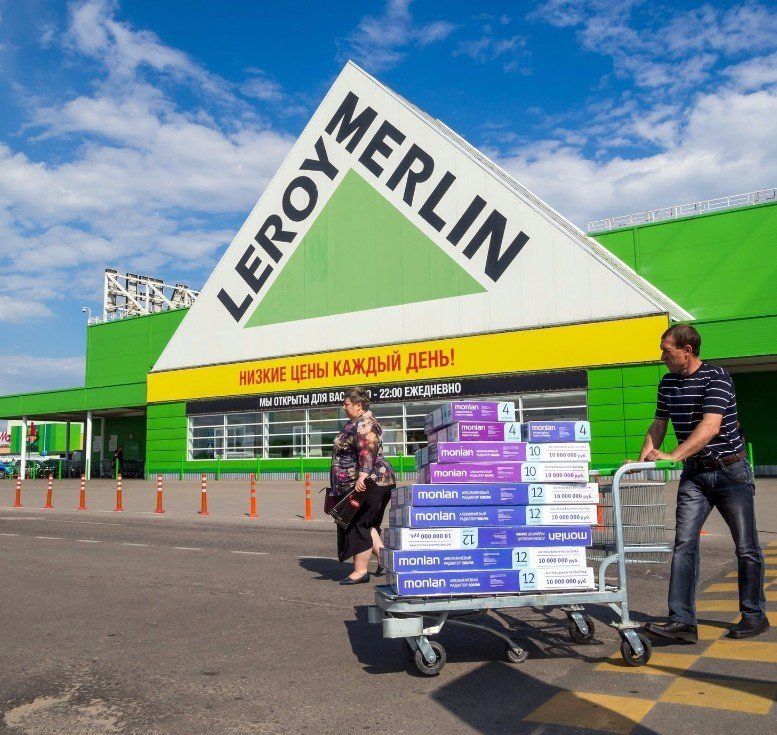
(577, 635)
(630, 657)
(517, 653)
(407, 649)
(431, 669)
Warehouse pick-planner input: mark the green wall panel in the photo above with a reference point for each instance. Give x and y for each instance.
(125, 350)
(640, 376)
(604, 413)
(605, 378)
(732, 278)
(604, 396)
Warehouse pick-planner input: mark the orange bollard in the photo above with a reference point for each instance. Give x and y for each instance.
(252, 504)
(49, 493)
(159, 508)
(119, 497)
(17, 503)
(82, 499)
(308, 503)
(204, 497)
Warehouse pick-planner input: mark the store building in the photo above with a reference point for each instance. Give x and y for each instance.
(389, 253)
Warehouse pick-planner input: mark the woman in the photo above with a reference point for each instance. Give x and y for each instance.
(358, 463)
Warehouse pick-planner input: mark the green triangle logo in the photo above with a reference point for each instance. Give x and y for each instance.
(361, 253)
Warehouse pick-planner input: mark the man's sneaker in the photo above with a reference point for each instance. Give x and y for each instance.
(747, 628)
(674, 631)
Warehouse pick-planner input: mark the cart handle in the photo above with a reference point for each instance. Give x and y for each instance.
(661, 464)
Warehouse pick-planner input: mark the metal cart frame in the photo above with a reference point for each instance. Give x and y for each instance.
(406, 617)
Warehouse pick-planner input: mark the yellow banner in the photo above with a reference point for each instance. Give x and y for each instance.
(550, 348)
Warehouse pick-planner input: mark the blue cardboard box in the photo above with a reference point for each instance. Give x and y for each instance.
(458, 516)
(440, 560)
(556, 431)
(499, 537)
(480, 582)
(517, 493)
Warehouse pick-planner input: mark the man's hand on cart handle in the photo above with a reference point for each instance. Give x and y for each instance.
(654, 455)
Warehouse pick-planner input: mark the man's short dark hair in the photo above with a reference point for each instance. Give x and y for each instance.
(358, 396)
(684, 335)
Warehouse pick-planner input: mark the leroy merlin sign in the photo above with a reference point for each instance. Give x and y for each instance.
(382, 227)
(348, 128)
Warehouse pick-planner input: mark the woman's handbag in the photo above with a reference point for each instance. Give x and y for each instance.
(346, 508)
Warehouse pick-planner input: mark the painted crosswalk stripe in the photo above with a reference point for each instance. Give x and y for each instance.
(749, 650)
(606, 712)
(253, 553)
(737, 695)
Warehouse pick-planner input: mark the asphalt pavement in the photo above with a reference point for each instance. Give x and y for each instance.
(137, 623)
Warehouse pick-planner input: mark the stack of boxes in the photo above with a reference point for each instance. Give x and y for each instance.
(501, 507)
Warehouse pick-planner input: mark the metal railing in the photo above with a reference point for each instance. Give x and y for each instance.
(684, 210)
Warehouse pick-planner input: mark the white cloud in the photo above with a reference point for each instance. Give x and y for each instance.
(667, 49)
(754, 73)
(381, 42)
(726, 146)
(511, 50)
(146, 180)
(26, 373)
(21, 310)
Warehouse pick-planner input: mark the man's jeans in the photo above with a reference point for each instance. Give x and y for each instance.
(732, 491)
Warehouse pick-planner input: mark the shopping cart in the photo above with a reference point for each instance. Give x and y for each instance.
(640, 502)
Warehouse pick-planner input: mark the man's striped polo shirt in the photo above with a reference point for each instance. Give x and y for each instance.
(685, 400)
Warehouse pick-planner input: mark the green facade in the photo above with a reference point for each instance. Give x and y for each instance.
(721, 268)
(50, 439)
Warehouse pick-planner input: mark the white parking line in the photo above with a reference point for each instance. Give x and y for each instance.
(50, 538)
(9, 534)
(88, 541)
(187, 548)
(255, 553)
(127, 543)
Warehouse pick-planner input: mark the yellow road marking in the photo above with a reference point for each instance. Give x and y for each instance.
(771, 595)
(747, 650)
(738, 695)
(723, 587)
(717, 605)
(712, 631)
(767, 573)
(593, 711)
(660, 664)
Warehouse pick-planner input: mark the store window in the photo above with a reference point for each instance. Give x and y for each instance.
(310, 432)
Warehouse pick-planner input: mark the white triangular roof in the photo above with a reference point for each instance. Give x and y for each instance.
(559, 276)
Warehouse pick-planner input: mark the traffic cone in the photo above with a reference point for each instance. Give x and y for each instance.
(204, 497)
(308, 503)
(17, 503)
(252, 503)
(82, 498)
(119, 496)
(49, 492)
(159, 508)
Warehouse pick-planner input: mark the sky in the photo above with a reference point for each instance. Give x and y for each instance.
(139, 135)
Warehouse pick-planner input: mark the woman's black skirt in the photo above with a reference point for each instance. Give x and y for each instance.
(357, 536)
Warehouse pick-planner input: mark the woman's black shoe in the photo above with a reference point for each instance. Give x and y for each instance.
(360, 580)
(379, 571)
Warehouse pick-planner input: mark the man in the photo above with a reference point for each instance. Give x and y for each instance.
(701, 403)
(118, 457)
